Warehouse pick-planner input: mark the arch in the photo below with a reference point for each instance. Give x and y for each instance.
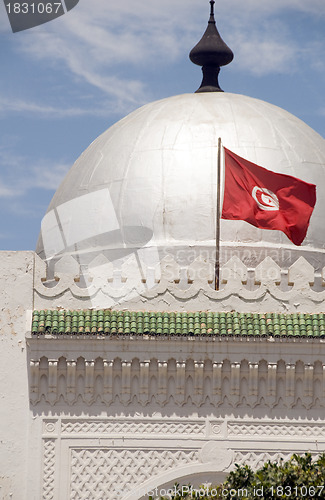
(193, 474)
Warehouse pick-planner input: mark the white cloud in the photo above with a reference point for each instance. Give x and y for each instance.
(6, 191)
(14, 105)
(261, 8)
(5, 236)
(19, 176)
(109, 45)
(95, 40)
(47, 176)
(269, 44)
(266, 50)
(262, 57)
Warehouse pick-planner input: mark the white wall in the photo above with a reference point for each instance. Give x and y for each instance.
(16, 297)
(93, 415)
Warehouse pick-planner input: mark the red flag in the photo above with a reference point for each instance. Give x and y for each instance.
(266, 199)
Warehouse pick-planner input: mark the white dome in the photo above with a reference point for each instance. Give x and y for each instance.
(151, 180)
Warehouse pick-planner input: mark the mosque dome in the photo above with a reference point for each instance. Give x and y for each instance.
(149, 183)
(151, 180)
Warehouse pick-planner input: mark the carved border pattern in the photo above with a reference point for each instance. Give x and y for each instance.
(257, 460)
(49, 469)
(95, 472)
(132, 427)
(142, 463)
(275, 429)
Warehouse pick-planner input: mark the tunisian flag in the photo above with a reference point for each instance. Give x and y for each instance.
(266, 199)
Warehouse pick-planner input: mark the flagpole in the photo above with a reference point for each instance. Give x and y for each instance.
(217, 263)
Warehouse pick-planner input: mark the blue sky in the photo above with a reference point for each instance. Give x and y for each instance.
(65, 82)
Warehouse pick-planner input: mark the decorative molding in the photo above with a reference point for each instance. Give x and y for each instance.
(49, 469)
(132, 427)
(189, 288)
(50, 427)
(118, 468)
(258, 459)
(265, 430)
(120, 454)
(224, 383)
(214, 452)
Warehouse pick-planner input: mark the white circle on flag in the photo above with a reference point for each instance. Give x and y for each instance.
(265, 199)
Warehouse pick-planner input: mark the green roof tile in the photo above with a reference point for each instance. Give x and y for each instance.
(218, 324)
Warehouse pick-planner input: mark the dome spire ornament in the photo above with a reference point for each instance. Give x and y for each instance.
(211, 53)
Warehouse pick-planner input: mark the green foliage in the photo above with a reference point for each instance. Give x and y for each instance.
(300, 478)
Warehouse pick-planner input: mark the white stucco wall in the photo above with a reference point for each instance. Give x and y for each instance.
(80, 417)
(16, 297)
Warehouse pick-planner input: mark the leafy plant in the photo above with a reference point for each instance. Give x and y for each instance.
(300, 478)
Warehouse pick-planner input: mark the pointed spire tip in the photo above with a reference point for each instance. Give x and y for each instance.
(212, 2)
(211, 53)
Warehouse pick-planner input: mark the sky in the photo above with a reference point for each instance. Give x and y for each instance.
(63, 83)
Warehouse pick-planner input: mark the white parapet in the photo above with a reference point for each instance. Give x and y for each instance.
(170, 287)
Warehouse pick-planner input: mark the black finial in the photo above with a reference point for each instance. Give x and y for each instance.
(211, 52)
(212, 2)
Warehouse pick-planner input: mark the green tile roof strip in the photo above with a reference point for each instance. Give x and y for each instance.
(106, 322)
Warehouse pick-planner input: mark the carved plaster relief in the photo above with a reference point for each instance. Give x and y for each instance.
(110, 474)
(255, 430)
(107, 458)
(211, 383)
(175, 288)
(74, 461)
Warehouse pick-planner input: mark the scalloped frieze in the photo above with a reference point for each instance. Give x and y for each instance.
(210, 383)
(173, 287)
